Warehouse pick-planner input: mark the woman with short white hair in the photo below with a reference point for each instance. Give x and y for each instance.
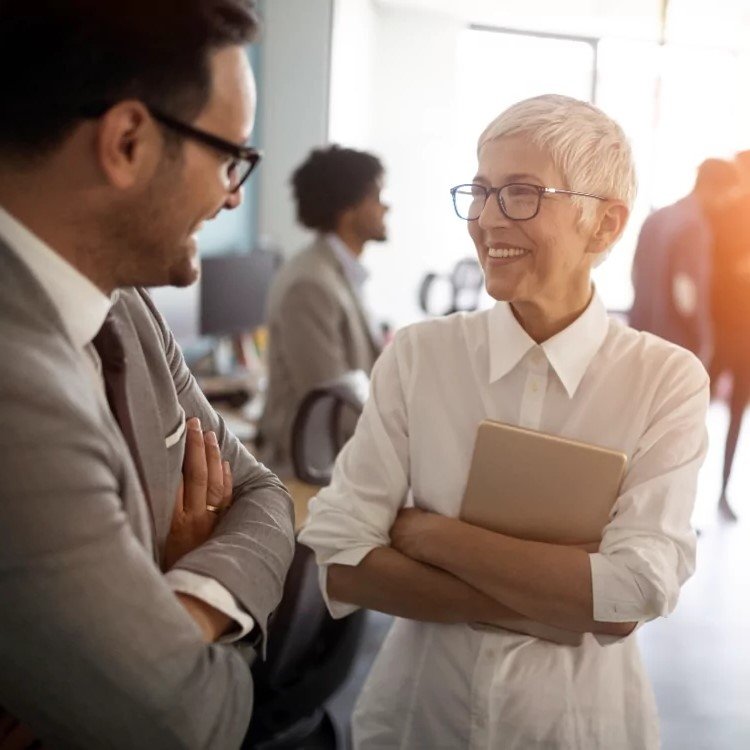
(551, 195)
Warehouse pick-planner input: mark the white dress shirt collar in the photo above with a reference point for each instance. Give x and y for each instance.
(569, 352)
(356, 274)
(81, 305)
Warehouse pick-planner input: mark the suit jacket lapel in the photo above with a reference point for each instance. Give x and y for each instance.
(149, 450)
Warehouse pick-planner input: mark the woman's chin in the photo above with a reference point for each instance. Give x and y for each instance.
(499, 290)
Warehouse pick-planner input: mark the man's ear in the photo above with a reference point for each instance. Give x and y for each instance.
(129, 145)
(610, 223)
(344, 219)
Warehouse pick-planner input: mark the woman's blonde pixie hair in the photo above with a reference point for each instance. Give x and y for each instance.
(588, 148)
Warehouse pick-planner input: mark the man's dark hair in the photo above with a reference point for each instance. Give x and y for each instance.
(331, 180)
(60, 59)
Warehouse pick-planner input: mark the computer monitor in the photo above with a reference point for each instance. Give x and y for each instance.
(234, 290)
(179, 306)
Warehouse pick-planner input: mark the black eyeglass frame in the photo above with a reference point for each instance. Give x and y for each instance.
(240, 153)
(541, 192)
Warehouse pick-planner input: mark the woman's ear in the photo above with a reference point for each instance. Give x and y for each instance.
(610, 224)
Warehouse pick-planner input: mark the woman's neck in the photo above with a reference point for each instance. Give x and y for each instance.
(542, 322)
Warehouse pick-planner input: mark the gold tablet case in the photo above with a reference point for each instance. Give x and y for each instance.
(540, 487)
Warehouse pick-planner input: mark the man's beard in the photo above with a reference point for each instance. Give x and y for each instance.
(144, 248)
(184, 272)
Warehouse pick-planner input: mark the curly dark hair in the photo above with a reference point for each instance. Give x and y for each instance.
(60, 58)
(331, 180)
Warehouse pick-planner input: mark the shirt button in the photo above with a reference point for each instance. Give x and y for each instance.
(534, 387)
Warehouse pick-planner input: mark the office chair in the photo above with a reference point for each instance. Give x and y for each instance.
(325, 420)
(310, 654)
(443, 294)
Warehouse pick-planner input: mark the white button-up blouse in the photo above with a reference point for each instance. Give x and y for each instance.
(448, 686)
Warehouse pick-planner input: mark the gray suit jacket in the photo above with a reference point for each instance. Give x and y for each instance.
(317, 332)
(95, 650)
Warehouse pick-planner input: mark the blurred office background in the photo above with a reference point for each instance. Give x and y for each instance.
(415, 81)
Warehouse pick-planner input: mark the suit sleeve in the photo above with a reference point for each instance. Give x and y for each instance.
(251, 550)
(96, 651)
(312, 342)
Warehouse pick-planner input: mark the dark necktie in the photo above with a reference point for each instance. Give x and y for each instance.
(108, 344)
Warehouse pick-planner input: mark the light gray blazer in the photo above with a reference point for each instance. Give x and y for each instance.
(318, 330)
(95, 650)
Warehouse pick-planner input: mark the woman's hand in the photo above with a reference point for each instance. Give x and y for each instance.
(415, 530)
(205, 491)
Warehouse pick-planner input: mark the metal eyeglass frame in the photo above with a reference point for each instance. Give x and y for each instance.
(540, 190)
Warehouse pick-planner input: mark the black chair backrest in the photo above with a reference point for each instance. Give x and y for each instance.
(324, 421)
(443, 294)
(468, 282)
(309, 653)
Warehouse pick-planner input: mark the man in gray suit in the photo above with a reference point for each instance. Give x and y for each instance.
(318, 326)
(140, 543)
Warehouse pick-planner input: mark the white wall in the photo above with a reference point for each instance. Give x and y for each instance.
(392, 94)
(294, 74)
(352, 73)
(413, 120)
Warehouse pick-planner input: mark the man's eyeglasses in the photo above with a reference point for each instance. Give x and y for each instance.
(519, 201)
(244, 158)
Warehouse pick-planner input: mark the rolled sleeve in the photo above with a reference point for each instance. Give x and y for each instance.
(354, 514)
(648, 548)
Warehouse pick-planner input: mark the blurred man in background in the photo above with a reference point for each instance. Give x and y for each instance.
(319, 328)
(730, 312)
(672, 263)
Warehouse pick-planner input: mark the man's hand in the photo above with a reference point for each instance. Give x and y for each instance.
(204, 493)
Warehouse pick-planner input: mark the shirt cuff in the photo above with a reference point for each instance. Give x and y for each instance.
(351, 557)
(617, 593)
(212, 592)
(616, 597)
